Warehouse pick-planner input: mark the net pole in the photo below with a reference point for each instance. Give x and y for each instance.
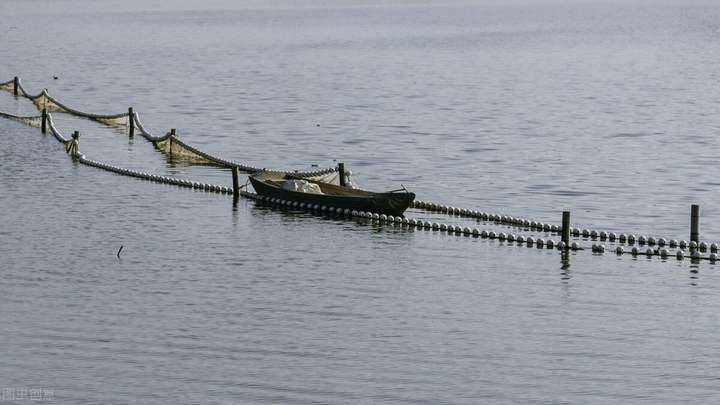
(695, 223)
(341, 170)
(566, 227)
(236, 182)
(43, 122)
(131, 122)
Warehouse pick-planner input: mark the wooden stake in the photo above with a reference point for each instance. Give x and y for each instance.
(236, 182)
(43, 123)
(341, 170)
(16, 85)
(695, 223)
(566, 227)
(131, 122)
(172, 135)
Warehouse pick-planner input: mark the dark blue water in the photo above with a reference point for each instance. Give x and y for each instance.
(526, 108)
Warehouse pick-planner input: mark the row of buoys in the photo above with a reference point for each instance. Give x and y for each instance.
(156, 178)
(623, 238)
(662, 252)
(486, 216)
(528, 241)
(420, 224)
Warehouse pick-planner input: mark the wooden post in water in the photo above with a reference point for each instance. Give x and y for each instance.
(172, 134)
(16, 83)
(236, 182)
(695, 223)
(131, 122)
(341, 171)
(43, 122)
(566, 227)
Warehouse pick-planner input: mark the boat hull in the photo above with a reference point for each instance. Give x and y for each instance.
(381, 203)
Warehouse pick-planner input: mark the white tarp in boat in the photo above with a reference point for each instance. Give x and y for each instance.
(302, 186)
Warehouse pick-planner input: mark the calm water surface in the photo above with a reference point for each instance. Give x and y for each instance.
(524, 108)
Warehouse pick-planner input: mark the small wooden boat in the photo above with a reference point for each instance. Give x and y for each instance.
(271, 185)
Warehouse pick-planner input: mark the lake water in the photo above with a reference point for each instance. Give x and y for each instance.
(525, 108)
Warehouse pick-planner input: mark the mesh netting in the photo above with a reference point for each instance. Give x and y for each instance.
(172, 147)
(33, 121)
(8, 86)
(168, 144)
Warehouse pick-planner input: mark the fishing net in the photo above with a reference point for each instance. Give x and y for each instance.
(175, 148)
(8, 86)
(168, 144)
(33, 121)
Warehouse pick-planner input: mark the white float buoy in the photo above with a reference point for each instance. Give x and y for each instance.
(550, 243)
(713, 257)
(576, 231)
(679, 255)
(561, 245)
(540, 242)
(585, 233)
(492, 235)
(619, 250)
(435, 225)
(622, 238)
(520, 239)
(603, 235)
(634, 251)
(642, 240)
(594, 234)
(511, 237)
(649, 252)
(631, 238)
(713, 247)
(574, 246)
(612, 236)
(664, 253)
(502, 236)
(695, 254)
(661, 242)
(530, 241)
(651, 241)
(703, 246)
(484, 234)
(427, 225)
(466, 231)
(683, 244)
(693, 245)
(672, 243)
(383, 217)
(476, 232)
